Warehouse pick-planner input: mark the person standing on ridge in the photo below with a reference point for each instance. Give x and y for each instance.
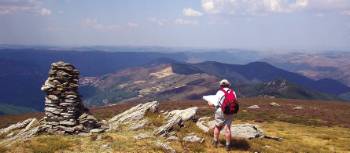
(225, 107)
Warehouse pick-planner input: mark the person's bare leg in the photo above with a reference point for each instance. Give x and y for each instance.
(228, 135)
(216, 135)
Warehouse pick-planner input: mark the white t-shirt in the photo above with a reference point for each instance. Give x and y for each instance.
(217, 99)
(221, 96)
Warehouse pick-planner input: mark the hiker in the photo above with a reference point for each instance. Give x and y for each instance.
(226, 106)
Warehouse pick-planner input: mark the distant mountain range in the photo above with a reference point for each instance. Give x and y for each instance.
(258, 72)
(23, 71)
(156, 82)
(333, 65)
(110, 77)
(172, 80)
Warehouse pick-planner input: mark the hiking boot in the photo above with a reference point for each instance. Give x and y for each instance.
(215, 143)
(228, 147)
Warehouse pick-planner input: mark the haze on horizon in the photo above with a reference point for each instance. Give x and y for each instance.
(246, 24)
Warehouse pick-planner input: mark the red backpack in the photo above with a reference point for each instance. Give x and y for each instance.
(230, 105)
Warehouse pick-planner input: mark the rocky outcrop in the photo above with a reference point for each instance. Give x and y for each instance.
(138, 125)
(165, 147)
(274, 104)
(202, 124)
(254, 107)
(142, 136)
(134, 117)
(193, 138)
(247, 131)
(64, 110)
(20, 131)
(176, 118)
(165, 129)
(172, 138)
(186, 114)
(298, 108)
(19, 125)
(277, 84)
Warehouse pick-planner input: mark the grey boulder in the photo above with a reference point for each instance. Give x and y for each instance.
(133, 116)
(193, 138)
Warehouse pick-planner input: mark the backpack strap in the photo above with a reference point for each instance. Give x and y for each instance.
(219, 102)
(225, 94)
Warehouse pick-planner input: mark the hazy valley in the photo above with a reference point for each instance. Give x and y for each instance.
(112, 77)
(133, 103)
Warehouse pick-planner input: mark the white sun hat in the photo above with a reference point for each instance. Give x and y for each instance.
(224, 82)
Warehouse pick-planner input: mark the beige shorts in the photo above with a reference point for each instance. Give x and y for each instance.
(221, 119)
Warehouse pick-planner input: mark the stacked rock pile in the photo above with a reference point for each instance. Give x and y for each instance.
(64, 110)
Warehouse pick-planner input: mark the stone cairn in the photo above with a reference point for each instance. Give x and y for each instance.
(64, 110)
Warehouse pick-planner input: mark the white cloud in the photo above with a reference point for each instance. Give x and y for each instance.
(181, 21)
(177, 21)
(252, 7)
(45, 12)
(160, 22)
(191, 12)
(27, 6)
(13, 6)
(262, 7)
(92, 23)
(208, 5)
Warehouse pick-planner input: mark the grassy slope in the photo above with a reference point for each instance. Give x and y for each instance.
(319, 127)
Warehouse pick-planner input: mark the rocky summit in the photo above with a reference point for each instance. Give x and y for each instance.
(64, 110)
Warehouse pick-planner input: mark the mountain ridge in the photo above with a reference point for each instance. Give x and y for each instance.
(262, 71)
(156, 81)
(24, 72)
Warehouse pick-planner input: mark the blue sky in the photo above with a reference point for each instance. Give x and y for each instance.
(246, 24)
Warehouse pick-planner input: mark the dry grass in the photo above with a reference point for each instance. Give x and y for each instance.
(325, 113)
(3, 149)
(297, 138)
(315, 113)
(2, 136)
(319, 127)
(155, 119)
(44, 144)
(119, 142)
(301, 138)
